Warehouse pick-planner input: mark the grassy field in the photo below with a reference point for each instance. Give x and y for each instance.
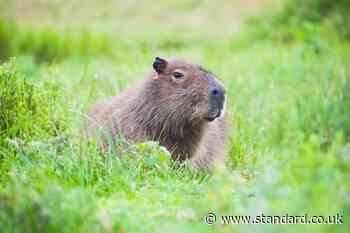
(288, 83)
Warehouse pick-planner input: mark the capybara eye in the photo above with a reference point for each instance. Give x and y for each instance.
(178, 75)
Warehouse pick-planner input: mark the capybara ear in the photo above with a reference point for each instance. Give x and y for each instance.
(159, 65)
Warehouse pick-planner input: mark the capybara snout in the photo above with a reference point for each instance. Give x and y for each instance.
(216, 101)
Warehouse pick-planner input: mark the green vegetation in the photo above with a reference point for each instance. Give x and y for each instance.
(50, 45)
(288, 82)
(334, 13)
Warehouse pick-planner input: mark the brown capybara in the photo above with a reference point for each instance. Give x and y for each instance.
(179, 104)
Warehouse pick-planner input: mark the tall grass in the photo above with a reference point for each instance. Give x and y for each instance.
(28, 112)
(48, 44)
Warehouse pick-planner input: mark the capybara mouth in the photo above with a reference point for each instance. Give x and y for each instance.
(213, 116)
(209, 118)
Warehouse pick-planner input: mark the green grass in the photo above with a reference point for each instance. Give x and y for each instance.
(288, 102)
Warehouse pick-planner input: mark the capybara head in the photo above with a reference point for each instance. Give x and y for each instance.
(189, 89)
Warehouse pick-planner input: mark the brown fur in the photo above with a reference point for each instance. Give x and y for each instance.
(167, 110)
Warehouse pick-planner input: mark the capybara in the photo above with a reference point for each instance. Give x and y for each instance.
(179, 104)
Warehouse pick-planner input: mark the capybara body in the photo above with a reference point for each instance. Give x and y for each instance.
(179, 104)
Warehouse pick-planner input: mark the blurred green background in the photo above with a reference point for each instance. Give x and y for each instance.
(286, 67)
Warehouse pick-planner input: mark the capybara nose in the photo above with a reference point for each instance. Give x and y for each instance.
(216, 102)
(217, 96)
(216, 92)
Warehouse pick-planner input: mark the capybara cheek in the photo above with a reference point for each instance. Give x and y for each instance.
(196, 98)
(200, 110)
